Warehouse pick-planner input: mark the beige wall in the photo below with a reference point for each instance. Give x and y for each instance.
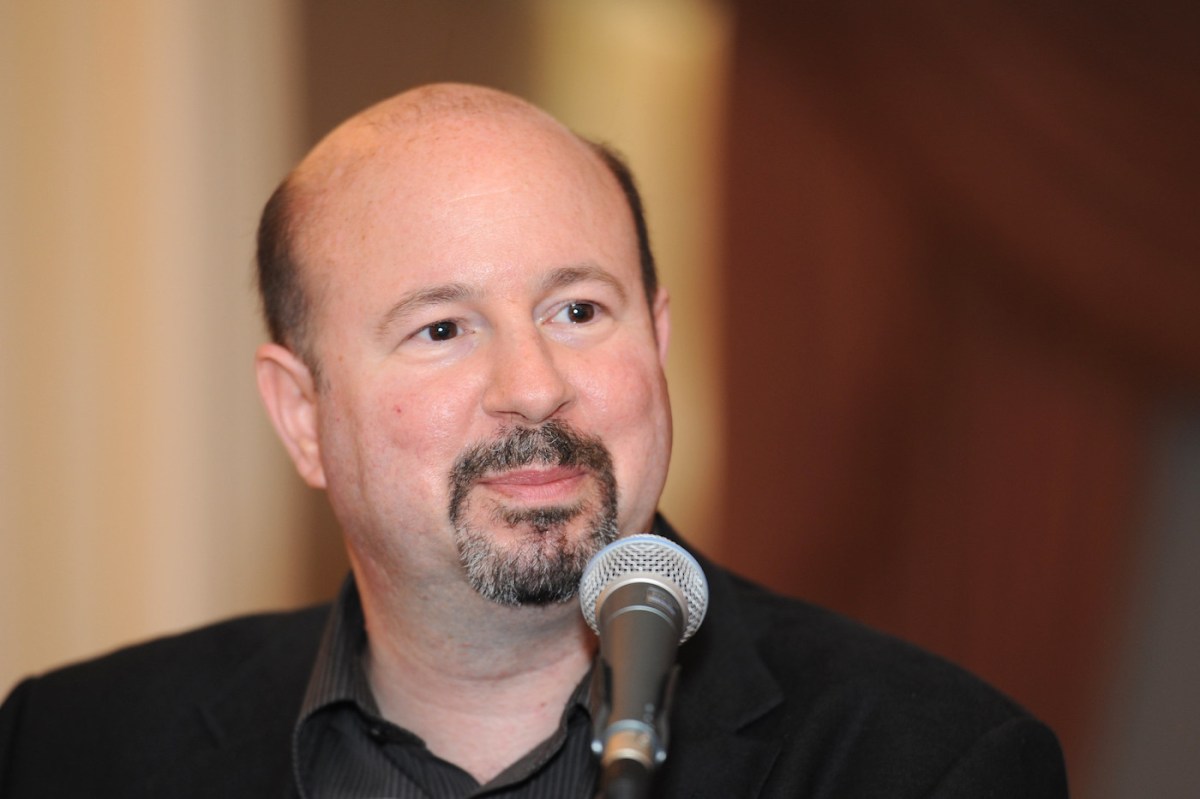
(140, 490)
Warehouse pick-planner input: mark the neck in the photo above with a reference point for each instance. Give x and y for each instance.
(480, 683)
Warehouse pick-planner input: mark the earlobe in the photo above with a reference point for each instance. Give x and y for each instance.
(661, 312)
(289, 394)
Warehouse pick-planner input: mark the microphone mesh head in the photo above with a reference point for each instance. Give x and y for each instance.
(649, 557)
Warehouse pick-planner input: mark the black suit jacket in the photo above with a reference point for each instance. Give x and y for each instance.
(776, 698)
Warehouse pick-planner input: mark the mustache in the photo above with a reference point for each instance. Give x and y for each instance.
(553, 443)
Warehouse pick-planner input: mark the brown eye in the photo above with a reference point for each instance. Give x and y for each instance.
(579, 312)
(442, 331)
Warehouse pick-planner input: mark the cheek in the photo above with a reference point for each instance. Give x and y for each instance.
(421, 429)
(396, 439)
(624, 395)
(637, 430)
(628, 408)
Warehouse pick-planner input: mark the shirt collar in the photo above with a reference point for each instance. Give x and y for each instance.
(338, 678)
(338, 674)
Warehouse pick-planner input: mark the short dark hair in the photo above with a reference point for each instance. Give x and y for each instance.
(287, 307)
(620, 170)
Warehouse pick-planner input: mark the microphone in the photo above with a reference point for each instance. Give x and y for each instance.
(644, 596)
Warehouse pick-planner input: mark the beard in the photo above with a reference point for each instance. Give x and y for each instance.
(544, 565)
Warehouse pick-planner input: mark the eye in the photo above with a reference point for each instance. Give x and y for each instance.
(441, 331)
(578, 313)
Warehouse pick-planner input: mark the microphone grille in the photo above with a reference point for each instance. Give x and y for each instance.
(649, 557)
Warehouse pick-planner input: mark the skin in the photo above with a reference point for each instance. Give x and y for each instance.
(474, 267)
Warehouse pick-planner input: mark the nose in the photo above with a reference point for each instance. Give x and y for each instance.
(525, 384)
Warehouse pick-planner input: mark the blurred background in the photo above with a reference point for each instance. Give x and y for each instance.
(935, 271)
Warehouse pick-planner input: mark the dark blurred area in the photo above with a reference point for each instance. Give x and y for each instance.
(963, 288)
(962, 294)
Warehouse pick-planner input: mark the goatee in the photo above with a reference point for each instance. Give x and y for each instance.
(545, 564)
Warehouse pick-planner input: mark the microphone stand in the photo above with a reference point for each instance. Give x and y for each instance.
(629, 751)
(624, 779)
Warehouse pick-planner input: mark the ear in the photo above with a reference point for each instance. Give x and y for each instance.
(661, 312)
(289, 393)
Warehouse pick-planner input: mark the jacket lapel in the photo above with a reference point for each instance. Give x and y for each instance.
(244, 744)
(724, 688)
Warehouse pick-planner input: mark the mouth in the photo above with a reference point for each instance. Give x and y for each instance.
(542, 476)
(552, 484)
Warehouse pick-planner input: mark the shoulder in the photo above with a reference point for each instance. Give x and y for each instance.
(819, 657)
(871, 714)
(124, 712)
(189, 663)
(797, 639)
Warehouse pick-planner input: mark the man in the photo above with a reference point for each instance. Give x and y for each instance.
(468, 342)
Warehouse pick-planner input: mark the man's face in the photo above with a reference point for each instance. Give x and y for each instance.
(493, 391)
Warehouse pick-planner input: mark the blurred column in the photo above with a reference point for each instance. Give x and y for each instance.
(649, 77)
(140, 488)
(1151, 721)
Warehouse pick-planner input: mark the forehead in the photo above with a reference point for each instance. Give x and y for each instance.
(453, 198)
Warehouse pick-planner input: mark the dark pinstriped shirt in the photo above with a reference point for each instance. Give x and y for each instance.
(342, 748)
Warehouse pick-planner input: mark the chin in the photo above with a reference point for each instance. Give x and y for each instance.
(533, 556)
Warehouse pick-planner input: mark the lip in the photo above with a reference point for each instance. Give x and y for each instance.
(555, 483)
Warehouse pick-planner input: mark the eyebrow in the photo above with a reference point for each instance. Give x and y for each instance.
(570, 275)
(422, 298)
